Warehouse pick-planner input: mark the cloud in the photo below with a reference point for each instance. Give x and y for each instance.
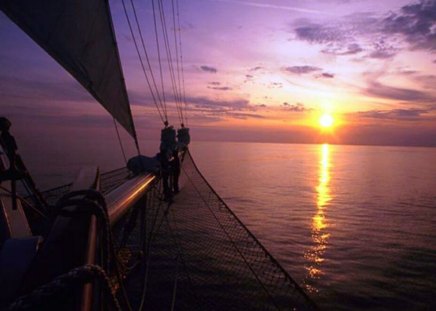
(200, 102)
(407, 72)
(273, 6)
(413, 25)
(205, 109)
(379, 90)
(298, 107)
(215, 110)
(256, 68)
(381, 54)
(208, 69)
(416, 22)
(327, 75)
(220, 88)
(315, 33)
(382, 50)
(350, 49)
(241, 115)
(427, 81)
(301, 69)
(275, 85)
(207, 103)
(394, 114)
(216, 86)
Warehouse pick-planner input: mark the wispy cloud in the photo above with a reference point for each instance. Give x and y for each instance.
(395, 93)
(256, 68)
(416, 22)
(298, 107)
(217, 86)
(411, 114)
(382, 49)
(427, 81)
(275, 85)
(301, 69)
(220, 88)
(327, 75)
(317, 33)
(205, 102)
(350, 49)
(273, 6)
(209, 69)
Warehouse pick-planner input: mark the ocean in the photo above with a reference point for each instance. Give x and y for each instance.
(354, 225)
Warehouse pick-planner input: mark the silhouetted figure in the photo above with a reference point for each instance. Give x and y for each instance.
(17, 170)
(175, 171)
(165, 175)
(8, 142)
(183, 137)
(167, 138)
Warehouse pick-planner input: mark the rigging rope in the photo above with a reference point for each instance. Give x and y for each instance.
(178, 87)
(158, 51)
(169, 56)
(62, 285)
(177, 61)
(142, 63)
(181, 62)
(163, 104)
(121, 143)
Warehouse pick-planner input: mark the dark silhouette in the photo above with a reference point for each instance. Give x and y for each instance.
(165, 175)
(17, 170)
(8, 141)
(140, 163)
(175, 171)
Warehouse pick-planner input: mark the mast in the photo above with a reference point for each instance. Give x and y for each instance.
(79, 35)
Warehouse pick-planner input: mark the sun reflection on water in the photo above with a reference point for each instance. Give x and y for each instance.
(314, 256)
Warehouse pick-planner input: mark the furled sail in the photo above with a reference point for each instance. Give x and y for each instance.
(80, 36)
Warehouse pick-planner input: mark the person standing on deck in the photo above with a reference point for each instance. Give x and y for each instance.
(165, 175)
(167, 147)
(16, 168)
(175, 171)
(8, 142)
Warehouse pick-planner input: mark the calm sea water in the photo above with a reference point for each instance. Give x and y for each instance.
(354, 225)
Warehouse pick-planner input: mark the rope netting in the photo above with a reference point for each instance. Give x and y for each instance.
(109, 181)
(201, 257)
(112, 179)
(195, 254)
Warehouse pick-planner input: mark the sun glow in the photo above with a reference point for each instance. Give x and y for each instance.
(326, 120)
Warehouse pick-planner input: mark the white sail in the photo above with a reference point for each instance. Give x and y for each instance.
(80, 36)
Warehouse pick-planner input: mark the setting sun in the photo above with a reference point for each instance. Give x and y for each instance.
(326, 120)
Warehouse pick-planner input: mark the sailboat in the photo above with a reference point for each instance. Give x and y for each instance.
(112, 241)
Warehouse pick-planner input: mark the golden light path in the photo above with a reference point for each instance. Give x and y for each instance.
(314, 255)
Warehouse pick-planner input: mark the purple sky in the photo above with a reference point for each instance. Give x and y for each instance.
(254, 71)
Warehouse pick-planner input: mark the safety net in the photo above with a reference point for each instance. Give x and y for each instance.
(193, 252)
(200, 256)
